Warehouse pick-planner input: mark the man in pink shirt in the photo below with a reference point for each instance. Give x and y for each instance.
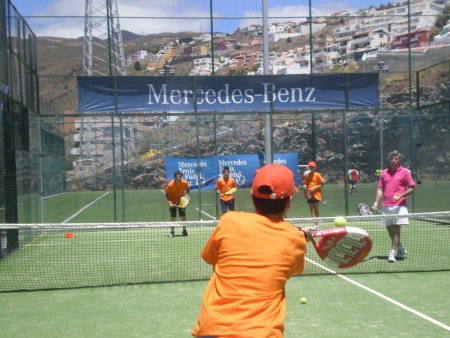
(394, 185)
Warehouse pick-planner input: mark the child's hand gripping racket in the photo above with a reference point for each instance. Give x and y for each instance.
(342, 247)
(308, 193)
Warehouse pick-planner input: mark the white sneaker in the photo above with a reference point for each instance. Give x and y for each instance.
(401, 251)
(314, 227)
(391, 258)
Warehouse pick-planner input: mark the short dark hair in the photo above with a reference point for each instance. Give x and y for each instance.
(395, 153)
(177, 173)
(225, 168)
(266, 206)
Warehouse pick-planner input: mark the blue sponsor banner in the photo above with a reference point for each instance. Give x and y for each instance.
(242, 168)
(290, 160)
(196, 172)
(237, 93)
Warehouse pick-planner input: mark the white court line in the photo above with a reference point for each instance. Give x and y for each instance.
(407, 308)
(87, 206)
(205, 213)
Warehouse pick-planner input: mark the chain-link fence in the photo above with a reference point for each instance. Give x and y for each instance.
(58, 150)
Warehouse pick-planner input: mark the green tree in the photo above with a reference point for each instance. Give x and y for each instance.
(433, 33)
(442, 20)
(69, 162)
(137, 66)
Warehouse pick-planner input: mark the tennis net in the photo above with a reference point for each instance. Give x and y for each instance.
(59, 256)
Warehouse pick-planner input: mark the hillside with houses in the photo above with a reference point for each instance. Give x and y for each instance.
(373, 39)
(341, 39)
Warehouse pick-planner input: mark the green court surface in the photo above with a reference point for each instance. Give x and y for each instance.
(378, 300)
(151, 205)
(371, 305)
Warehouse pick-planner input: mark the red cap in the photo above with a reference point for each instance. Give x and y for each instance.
(279, 180)
(312, 164)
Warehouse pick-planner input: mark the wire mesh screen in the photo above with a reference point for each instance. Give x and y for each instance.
(84, 255)
(68, 183)
(103, 167)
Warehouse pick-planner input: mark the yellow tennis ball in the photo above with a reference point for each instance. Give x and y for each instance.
(303, 300)
(340, 221)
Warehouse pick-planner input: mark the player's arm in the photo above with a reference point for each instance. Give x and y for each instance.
(219, 192)
(219, 188)
(408, 191)
(210, 253)
(187, 188)
(306, 231)
(168, 199)
(318, 185)
(378, 197)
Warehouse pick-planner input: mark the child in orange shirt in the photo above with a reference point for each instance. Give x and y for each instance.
(253, 254)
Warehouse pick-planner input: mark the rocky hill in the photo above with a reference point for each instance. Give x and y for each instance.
(60, 60)
(295, 134)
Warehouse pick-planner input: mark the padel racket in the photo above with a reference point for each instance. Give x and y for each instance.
(184, 201)
(231, 191)
(308, 194)
(342, 247)
(364, 209)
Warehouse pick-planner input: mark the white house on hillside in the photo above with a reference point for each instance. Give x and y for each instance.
(304, 29)
(395, 21)
(141, 54)
(443, 38)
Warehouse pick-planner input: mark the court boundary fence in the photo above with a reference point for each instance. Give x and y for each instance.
(63, 256)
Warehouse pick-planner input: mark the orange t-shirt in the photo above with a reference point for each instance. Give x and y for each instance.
(312, 180)
(224, 186)
(253, 257)
(176, 190)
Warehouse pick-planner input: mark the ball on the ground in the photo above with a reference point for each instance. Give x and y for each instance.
(340, 221)
(303, 300)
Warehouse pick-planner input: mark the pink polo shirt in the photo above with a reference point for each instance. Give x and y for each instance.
(395, 183)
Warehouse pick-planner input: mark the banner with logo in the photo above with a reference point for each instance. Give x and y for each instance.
(205, 172)
(139, 94)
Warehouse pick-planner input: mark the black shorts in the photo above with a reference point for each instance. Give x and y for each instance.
(181, 212)
(227, 205)
(313, 201)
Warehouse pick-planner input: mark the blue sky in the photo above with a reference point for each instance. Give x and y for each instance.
(68, 15)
